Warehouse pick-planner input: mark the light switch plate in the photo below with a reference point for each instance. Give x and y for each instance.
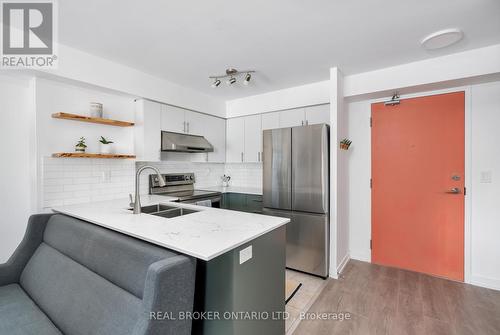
(245, 254)
(486, 177)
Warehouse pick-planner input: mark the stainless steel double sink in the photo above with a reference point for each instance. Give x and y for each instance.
(166, 211)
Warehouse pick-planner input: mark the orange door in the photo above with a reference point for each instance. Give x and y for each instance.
(418, 152)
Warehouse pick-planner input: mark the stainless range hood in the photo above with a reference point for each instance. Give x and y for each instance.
(177, 142)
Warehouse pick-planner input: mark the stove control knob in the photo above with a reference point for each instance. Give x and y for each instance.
(191, 177)
(186, 177)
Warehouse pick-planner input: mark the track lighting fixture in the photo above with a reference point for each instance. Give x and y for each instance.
(216, 82)
(232, 75)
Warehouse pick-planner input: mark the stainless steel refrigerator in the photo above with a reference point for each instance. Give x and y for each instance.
(296, 186)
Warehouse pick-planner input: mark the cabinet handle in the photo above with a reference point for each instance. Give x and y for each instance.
(258, 159)
(184, 126)
(241, 157)
(307, 122)
(302, 122)
(188, 127)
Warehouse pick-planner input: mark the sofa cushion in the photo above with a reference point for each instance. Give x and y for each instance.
(77, 300)
(20, 316)
(121, 259)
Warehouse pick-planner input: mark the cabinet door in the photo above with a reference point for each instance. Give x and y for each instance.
(215, 133)
(318, 114)
(195, 123)
(172, 119)
(253, 138)
(235, 140)
(271, 120)
(147, 130)
(292, 117)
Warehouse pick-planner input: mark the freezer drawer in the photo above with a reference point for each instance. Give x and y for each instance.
(310, 183)
(307, 241)
(277, 172)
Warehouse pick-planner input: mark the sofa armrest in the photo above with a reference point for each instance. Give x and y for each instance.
(11, 271)
(169, 290)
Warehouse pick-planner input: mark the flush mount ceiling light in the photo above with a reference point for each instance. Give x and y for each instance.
(442, 39)
(232, 75)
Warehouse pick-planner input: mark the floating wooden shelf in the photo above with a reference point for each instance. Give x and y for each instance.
(86, 155)
(109, 122)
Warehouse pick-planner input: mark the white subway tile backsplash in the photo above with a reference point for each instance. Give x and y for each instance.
(72, 181)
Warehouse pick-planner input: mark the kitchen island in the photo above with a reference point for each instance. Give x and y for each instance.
(240, 276)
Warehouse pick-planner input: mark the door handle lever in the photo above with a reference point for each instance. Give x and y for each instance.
(454, 190)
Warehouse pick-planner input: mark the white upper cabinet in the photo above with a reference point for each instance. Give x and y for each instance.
(292, 117)
(235, 140)
(195, 123)
(147, 130)
(318, 114)
(172, 119)
(152, 118)
(216, 135)
(253, 139)
(270, 120)
(213, 129)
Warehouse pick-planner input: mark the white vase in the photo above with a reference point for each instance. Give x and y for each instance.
(106, 149)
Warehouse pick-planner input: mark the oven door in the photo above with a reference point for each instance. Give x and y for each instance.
(214, 201)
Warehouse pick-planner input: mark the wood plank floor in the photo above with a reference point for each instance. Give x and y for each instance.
(390, 301)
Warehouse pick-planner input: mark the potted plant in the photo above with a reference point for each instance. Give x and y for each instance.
(81, 146)
(106, 146)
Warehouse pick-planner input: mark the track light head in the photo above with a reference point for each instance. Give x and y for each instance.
(248, 76)
(231, 77)
(216, 83)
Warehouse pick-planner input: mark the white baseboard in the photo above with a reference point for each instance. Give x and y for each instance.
(486, 282)
(361, 255)
(343, 263)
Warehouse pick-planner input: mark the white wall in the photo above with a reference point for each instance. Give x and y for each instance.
(359, 156)
(84, 67)
(299, 96)
(339, 174)
(485, 220)
(435, 73)
(56, 135)
(17, 195)
(484, 198)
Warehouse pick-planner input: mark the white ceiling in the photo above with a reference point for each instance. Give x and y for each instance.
(289, 42)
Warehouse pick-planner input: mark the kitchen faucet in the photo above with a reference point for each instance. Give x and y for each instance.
(137, 203)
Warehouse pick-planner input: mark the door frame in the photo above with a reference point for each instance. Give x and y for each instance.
(468, 165)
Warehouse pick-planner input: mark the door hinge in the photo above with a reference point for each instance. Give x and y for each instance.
(465, 190)
(371, 122)
(371, 183)
(371, 244)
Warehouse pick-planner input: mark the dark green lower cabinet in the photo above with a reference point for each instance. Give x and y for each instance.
(235, 298)
(249, 203)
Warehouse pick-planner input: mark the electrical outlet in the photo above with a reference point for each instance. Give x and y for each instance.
(245, 254)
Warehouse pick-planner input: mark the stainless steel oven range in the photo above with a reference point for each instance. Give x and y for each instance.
(181, 185)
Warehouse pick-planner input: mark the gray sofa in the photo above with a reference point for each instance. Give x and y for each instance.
(71, 277)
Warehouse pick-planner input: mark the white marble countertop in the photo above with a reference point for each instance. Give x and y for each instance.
(204, 235)
(234, 189)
